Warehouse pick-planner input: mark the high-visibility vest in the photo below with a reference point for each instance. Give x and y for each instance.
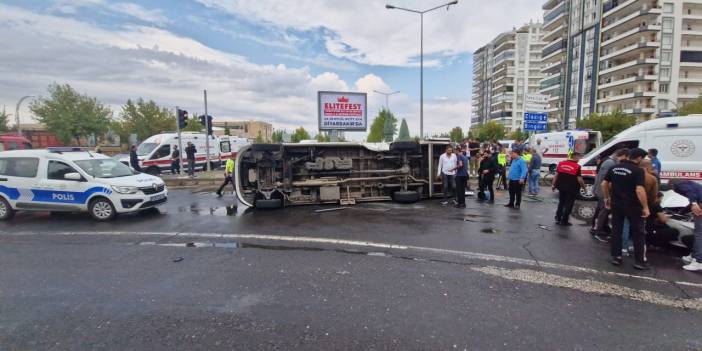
(501, 159)
(527, 158)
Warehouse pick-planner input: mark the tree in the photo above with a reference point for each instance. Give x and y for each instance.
(456, 134)
(300, 135)
(145, 119)
(691, 108)
(490, 130)
(377, 129)
(519, 135)
(323, 138)
(277, 136)
(609, 124)
(404, 132)
(259, 138)
(227, 131)
(4, 119)
(71, 115)
(193, 125)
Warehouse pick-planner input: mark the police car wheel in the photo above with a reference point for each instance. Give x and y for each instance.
(102, 210)
(588, 193)
(6, 211)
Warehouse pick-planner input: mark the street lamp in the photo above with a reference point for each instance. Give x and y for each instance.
(421, 56)
(17, 114)
(387, 96)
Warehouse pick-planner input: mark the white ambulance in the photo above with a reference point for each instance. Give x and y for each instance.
(556, 146)
(677, 139)
(155, 152)
(73, 180)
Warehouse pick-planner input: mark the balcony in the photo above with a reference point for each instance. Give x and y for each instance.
(640, 110)
(627, 96)
(550, 4)
(626, 65)
(553, 47)
(501, 114)
(652, 13)
(631, 49)
(611, 7)
(628, 80)
(554, 19)
(640, 29)
(504, 56)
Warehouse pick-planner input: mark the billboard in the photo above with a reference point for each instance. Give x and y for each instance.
(342, 111)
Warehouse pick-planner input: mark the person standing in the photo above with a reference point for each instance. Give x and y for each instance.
(190, 152)
(446, 171)
(228, 174)
(693, 192)
(568, 180)
(502, 172)
(134, 158)
(598, 230)
(461, 177)
(487, 170)
(625, 195)
(516, 176)
(534, 172)
(657, 167)
(175, 160)
(474, 148)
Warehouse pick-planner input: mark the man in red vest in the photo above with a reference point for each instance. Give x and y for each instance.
(568, 181)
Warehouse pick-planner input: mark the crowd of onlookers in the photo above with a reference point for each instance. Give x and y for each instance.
(629, 214)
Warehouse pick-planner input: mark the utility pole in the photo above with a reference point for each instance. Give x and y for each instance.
(207, 135)
(17, 114)
(180, 141)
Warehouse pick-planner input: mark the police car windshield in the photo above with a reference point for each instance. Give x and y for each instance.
(145, 149)
(104, 168)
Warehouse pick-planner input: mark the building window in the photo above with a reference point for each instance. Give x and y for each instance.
(666, 56)
(667, 41)
(668, 24)
(668, 8)
(663, 88)
(665, 72)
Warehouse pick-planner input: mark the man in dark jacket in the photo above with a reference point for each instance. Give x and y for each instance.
(600, 223)
(190, 152)
(693, 192)
(175, 160)
(134, 158)
(487, 170)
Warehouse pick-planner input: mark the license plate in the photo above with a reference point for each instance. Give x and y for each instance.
(158, 197)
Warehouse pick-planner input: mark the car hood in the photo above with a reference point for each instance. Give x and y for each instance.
(672, 199)
(139, 180)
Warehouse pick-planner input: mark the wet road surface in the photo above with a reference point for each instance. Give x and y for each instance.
(204, 273)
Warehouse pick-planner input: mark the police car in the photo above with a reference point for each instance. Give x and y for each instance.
(73, 180)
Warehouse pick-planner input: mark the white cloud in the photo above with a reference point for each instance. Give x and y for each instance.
(124, 8)
(366, 32)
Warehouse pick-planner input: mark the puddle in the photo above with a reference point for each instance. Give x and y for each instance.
(221, 211)
(491, 231)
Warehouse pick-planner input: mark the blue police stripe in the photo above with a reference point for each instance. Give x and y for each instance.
(12, 193)
(67, 197)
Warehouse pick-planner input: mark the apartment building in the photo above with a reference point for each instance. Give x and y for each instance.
(245, 129)
(554, 57)
(505, 70)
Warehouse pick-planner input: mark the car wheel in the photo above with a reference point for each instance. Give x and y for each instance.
(102, 210)
(266, 147)
(588, 194)
(153, 170)
(272, 204)
(6, 211)
(404, 146)
(406, 197)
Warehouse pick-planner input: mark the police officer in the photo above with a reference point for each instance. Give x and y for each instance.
(625, 195)
(228, 174)
(568, 180)
(175, 160)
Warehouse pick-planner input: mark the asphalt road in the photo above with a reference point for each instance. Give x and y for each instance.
(203, 273)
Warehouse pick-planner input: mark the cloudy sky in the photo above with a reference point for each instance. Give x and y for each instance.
(258, 59)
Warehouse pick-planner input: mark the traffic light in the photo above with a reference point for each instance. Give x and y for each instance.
(182, 118)
(207, 123)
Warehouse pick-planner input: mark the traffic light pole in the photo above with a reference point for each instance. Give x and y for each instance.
(180, 141)
(207, 135)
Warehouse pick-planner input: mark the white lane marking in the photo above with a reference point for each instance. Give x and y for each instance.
(304, 239)
(590, 286)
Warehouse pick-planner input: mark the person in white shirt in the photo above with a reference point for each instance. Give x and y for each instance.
(446, 171)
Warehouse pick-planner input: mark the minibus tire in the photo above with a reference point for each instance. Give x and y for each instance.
(6, 211)
(406, 197)
(102, 210)
(272, 204)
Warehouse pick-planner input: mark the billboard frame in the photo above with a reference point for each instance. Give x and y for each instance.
(319, 111)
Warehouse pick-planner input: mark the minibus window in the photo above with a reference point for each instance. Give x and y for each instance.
(630, 144)
(163, 151)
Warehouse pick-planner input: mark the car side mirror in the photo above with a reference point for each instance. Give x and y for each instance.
(73, 176)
